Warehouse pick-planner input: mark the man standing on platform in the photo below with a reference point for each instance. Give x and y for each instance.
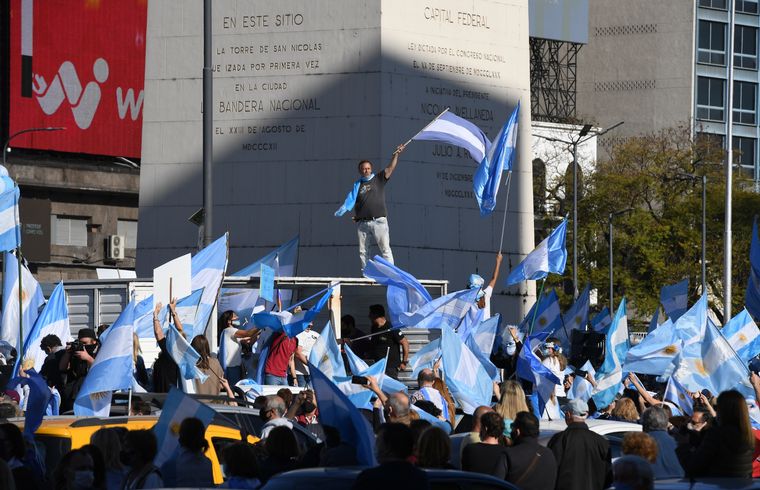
(367, 199)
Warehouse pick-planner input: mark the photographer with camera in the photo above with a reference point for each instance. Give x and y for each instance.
(75, 364)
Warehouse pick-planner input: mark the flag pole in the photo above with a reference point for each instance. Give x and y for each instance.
(129, 403)
(427, 125)
(506, 205)
(535, 311)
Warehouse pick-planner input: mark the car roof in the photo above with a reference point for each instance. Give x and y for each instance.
(601, 427)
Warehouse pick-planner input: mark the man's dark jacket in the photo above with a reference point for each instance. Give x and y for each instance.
(584, 459)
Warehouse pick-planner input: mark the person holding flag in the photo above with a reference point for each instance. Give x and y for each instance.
(484, 296)
(367, 200)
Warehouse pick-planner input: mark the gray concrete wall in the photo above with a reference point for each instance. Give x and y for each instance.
(637, 66)
(299, 99)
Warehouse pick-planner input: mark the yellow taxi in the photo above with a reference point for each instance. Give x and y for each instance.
(59, 435)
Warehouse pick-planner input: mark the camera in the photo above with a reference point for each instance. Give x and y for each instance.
(754, 365)
(76, 345)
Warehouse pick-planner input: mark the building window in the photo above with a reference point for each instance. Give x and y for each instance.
(713, 4)
(744, 155)
(746, 6)
(745, 47)
(744, 102)
(712, 43)
(67, 230)
(710, 98)
(127, 229)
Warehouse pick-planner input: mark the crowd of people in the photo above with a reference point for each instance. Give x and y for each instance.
(422, 429)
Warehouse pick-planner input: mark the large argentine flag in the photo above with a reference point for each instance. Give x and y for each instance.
(743, 335)
(208, 268)
(54, 320)
(465, 376)
(452, 129)
(549, 256)
(548, 317)
(184, 355)
(112, 369)
(656, 352)
(448, 310)
(404, 292)
(32, 299)
(325, 354)
(485, 182)
(10, 225)
(609, 377)
(177, 408)
(674, 299)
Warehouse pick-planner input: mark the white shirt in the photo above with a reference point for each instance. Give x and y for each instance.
(231, 347)
(487, 308)
(306, 341)
(553, 364)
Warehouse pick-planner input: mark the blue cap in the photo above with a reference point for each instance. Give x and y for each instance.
(475, 281)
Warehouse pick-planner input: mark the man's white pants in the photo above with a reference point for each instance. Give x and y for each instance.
(377, 230)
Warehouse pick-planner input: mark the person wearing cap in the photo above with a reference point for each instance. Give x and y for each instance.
(484, 296)
(583, 457)
(550, 351)
(75, 364)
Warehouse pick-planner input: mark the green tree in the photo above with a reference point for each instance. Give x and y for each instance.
(658, 242)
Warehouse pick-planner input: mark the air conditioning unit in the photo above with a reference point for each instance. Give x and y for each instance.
(116, 245)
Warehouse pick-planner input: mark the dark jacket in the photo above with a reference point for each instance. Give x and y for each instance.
(666, 465)
(393, 475)
(723, 453)
(530, 465)
(583, 457)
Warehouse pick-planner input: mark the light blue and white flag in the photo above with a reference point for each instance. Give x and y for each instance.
(54, 320)
(487, 178)
(291, 324)
(484, 335)
(404, 295)
(576, 318)
(177, 408)
(674, 299)
(325, 354)
(184, 355)
(581, 388)
(655, 352)
(447, 311)
(752, 297)
(609, 376)
(690, 326)
(452, 129)
(485, 359)
(530, 368)
(144, 318)
(187, 311)
(465, 376)
(111, 371)
(655, 321)
(31, 300)
(376, 370)
(743, 335)
(425, 358)
(549, 257)
(245, 301)
(208, 268)
(548, 317)
(357, 394)
(601, 321)
(10, 224)
(676, 394)
(434, 421)
(337, 411)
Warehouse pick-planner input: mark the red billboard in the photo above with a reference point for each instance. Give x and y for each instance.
(78, 64)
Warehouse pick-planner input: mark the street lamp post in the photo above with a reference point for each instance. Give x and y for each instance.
(612, 291)
(23, 131)
(704, 227)
(574, 143)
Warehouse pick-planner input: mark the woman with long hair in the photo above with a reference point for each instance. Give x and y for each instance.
(229, 336)
(440, 385)
(215, 382)
(109, 443)
(511, 402)
(726, 448)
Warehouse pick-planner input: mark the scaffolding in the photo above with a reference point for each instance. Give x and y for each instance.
(553, 66)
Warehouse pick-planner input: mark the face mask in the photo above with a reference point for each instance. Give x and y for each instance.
(84, 479)
(90, 348)
(236, 323)
(308, 407)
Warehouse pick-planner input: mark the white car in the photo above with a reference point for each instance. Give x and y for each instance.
(612, 430)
